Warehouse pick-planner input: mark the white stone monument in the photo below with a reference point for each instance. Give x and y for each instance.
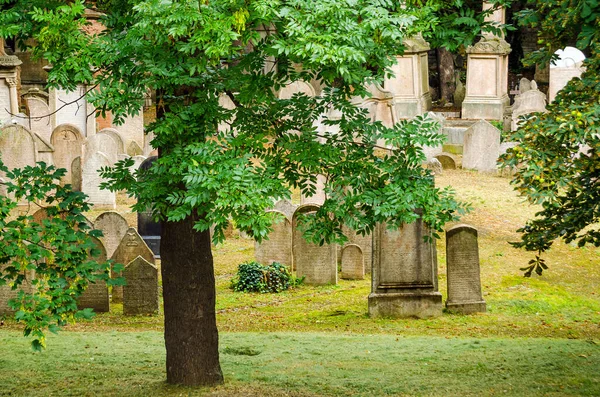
(567, 67)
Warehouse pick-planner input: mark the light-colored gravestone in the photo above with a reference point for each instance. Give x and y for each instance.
(91, 179)
(116, 136)
(530, 101)
(434, 166)
(296, 87)
(76, 174)
(278, 246)
(68, 144)
(44, 149)
(96, 294)
(140, 294)
(38, 119)
(353, 262)
(318, 264)
(17, 147)
(132, 130)
(130, 247)
(286, 207)
(72, 108)
(404, 278)
(462, 262)
(568, 66)
(481, 147)
(103, 143)
(113, 227)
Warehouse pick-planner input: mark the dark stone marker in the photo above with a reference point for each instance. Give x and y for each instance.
(147, 227)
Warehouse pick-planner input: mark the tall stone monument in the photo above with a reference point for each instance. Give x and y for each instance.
(404, 279)
(462, 258)
(410, 84)
(487, 75)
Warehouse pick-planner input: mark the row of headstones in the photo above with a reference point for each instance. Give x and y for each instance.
(124, 245)
(398, 257)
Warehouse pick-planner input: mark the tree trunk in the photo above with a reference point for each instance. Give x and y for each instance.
(446, 73)
(191, 335)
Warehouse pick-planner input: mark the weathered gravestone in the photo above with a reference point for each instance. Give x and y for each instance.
(7, 293)
(140, 294)
(447, 161)
(116, 136)
(562, 70)
(318, 264)
(404, 278)
(103, 143)
(91, 179)
(278, 246)
(68, 145)
(481, 147)
(353, 263)
(530, 101)
(76, 174)
(462, 259)
(148, 228)
(364, 242)
(113, 227)
(17, 147)
(133, 149)
(39, 113)
(130, 247)
(96, 295)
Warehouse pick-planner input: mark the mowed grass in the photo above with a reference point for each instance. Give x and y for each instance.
(540, 335)
(306, 364)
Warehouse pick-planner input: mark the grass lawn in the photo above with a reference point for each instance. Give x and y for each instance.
(540, 335)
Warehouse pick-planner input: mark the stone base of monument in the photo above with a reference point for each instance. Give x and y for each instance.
(402, 305)
(485, 108)
(408, 108)
(466, 307)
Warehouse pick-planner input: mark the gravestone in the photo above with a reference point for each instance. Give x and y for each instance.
(133, 149)
(17, 147)
(140, 294)
(364, 242)
(278, 246)
(71, 107)
(38, 111)
(318, 264)
(116, 136)
(91, 179)
(130, 247)
(353, 262)
(148, 228)
(67, 142)
(113, 227)
(464, 283)
(96, 295)
(296, 87)
(481, 147)
(568, 66)
(103, 143)
(404, 278)
(132, 129)
(530, 101)
(447, 161)
(7, 293)
(76, 174)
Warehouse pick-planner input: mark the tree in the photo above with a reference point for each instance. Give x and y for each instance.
(557, 157)
(59, 249)
(219, 164)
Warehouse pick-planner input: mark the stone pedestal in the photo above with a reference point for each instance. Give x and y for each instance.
(404, 276)
(410, 84)
(9, 99)
(487, 79)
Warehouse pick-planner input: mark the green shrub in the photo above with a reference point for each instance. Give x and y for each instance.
(254, 277)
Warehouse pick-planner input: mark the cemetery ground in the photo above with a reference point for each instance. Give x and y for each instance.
(540, 336)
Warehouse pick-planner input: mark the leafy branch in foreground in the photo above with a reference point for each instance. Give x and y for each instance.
(49, 263)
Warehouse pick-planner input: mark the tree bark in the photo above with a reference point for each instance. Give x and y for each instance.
(191, 335)
(446, 73)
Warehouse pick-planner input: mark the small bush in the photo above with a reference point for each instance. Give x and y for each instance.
(254, 277)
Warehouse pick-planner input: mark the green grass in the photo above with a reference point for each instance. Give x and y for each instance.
(132, 364)
(538, 337)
